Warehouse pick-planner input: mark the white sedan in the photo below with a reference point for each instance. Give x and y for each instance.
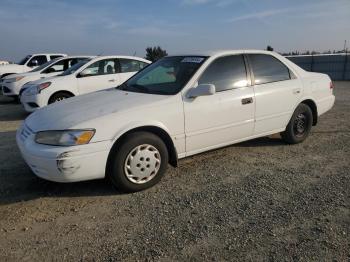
(177, 107)
(85, 77)
(12, 84)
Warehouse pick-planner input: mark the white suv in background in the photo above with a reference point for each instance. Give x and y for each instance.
(28, 63)
(12, 84)
(100, 73)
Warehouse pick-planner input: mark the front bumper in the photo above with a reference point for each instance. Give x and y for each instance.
(32, 102)
(63, 164)
(10, 89)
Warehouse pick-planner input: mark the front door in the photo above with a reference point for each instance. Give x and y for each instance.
(225, 117)
(98, 76)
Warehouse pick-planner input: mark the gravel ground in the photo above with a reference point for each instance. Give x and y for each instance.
(258, 200)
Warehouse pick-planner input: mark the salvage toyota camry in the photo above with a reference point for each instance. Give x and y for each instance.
(176, 107)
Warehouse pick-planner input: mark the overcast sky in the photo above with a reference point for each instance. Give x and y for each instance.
(129, 26)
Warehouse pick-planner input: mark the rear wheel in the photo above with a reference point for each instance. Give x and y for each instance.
(299, 125)
(58, 97)
(138, 162)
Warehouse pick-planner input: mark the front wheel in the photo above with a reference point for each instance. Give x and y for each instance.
(59, 97)
(299, 125)
(138, 162)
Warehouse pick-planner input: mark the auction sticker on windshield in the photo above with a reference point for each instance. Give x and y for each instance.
(192, 60)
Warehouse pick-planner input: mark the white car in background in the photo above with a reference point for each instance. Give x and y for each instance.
(176, 107)
(28, 63)
(100, 73)
(12, 84)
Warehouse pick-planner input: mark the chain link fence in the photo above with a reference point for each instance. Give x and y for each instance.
(337, 66)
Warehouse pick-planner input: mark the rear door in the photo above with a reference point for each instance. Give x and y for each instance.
(277, 93)
(98, 76)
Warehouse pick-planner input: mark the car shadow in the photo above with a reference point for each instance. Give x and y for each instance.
(11, 110)
(269, 141)
(7, 100)
(18, 183)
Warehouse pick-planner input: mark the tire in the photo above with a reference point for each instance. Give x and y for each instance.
(138, 162)
(299, 126)
(58, 97)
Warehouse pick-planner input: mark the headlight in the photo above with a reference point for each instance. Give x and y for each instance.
(31, 90)
(43, 86)
(65, 137)
(15, 79)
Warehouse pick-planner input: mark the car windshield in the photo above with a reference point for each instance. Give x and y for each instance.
(167, 76)
(43, 66)
(74, 68)
(24, 60)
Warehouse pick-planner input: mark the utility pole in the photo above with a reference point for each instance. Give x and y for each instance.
(345, 47)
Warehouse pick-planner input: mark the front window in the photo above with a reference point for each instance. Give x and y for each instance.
(102, 67)
(167, 76)
(40, 59)
(75, 67)
(226, 73)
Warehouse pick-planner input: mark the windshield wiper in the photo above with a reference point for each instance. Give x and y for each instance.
(140, 88)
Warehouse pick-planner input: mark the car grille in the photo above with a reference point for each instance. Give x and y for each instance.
(26, 132)
(5, 89)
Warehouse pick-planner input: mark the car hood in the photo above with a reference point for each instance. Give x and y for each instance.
(28, 74)
(46, 79)
(11, 68)
(74, 111)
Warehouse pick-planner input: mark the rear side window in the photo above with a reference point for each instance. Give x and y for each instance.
(226, 73)
(267, 69)
(55, 56)
(128, 65)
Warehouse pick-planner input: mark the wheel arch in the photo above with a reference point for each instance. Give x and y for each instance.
(158, 131)
(311, 103)
(60, 91)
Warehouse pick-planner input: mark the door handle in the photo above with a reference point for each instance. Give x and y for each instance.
(247, 100)
(111, 80)
(296, 91)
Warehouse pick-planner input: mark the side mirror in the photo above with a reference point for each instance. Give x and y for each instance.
(201, 90)
(34, 63)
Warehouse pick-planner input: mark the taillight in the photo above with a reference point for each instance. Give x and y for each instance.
(331, 86)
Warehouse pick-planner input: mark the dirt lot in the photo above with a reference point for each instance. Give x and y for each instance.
(258, 200)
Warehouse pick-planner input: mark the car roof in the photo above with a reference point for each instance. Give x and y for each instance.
(48, 54)
(123, 56)
(75, 56)
(225, 52)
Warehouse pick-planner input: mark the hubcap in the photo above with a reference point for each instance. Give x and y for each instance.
(300, 124)
(142, 164)
(60, 98)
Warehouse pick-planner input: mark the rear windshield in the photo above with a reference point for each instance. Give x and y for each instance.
(24, 60)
